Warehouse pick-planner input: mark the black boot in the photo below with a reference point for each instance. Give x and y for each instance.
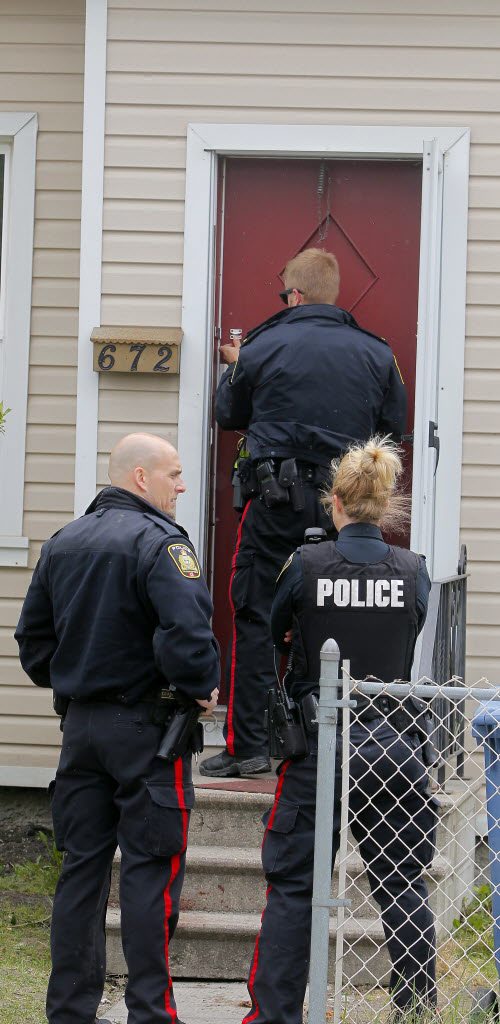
(226, 765)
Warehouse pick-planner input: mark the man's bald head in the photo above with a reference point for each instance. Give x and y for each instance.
(149, 466)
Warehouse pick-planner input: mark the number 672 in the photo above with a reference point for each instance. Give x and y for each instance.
(106, 359)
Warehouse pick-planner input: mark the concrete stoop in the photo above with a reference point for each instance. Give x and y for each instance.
(224, 890)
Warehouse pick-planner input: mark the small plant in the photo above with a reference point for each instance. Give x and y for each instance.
(474, 928)
(3, 414)
(38, 877)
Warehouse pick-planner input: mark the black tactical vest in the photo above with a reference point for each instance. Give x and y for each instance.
(370, 610)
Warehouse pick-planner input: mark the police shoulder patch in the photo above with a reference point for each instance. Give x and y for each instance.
(185, 560)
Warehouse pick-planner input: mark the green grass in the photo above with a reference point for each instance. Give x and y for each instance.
(26, 894)
(25, 959)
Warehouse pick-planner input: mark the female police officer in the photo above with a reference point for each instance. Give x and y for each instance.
(372, 598)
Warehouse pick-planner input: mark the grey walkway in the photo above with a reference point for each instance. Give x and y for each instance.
(199, 1002)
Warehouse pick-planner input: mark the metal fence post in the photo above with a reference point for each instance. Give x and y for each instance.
(325, 793)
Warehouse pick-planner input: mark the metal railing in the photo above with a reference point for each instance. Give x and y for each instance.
(442, 658)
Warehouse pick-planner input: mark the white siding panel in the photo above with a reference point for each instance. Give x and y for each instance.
(9, 612)
(172, 120)
(485, 256)
(143, 215)
(57, 234)
(481, 448)
(56, 263)
(58, 323)
(368, 94)
(481, 353)
(482, 385)
(59, 146)
(148, 183)
(53, 439)
(302, 60)
(162, 153)
(153, 311)
(479, 480)
(43, 380)
(44, 469)
(145, 408)
(142, 247)
(288, 7)
(25, 700)
(336, 29)
(41, 62)
(141, 279)
(53, 351)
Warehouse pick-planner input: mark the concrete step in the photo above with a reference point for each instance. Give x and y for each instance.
(228, 817)
(231, 881)
(215, 945)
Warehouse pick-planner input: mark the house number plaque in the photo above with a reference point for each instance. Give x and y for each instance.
(136, 349)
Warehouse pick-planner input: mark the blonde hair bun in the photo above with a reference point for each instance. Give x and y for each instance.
(366, 480)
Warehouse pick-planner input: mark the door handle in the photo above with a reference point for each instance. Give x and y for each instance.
(434, 441)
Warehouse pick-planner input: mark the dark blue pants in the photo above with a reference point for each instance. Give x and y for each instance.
(265, 539)
(393, 819)
(111, 790)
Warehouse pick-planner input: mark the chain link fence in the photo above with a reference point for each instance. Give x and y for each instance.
(411, 908)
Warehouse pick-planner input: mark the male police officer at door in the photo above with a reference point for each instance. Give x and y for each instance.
(117, 622)
(305, 384)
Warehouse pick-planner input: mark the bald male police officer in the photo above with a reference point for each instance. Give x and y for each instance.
(117, 620)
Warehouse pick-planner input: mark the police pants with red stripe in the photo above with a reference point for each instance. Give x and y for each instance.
(265, 539)
(111, 790)
(393, 820)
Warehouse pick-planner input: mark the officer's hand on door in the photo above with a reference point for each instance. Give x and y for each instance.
(209, 705)
(229, 353)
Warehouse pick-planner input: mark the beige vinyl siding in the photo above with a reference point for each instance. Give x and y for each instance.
(41, 62)
(336, 62)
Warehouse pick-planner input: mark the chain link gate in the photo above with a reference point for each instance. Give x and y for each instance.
(410, 910)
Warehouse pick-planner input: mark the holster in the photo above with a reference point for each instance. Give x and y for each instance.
(183, 733)
(269, 486)
(285, 727)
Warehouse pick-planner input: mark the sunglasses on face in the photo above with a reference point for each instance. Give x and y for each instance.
(288, 291)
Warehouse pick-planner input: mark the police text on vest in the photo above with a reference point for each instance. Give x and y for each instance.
(346, 593)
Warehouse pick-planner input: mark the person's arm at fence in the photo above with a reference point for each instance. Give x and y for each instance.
(288, 594)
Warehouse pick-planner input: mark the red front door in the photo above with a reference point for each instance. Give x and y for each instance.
(368, 214)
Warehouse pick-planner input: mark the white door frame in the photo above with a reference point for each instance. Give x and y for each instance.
(441, 310)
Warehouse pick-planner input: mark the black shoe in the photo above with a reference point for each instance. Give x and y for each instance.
(224, 765)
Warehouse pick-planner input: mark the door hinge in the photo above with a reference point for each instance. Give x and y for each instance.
(434, 441)
(217, 333)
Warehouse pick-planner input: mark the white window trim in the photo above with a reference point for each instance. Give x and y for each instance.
(5, 152)
(19, 131)
(89, 314)
(205, 142)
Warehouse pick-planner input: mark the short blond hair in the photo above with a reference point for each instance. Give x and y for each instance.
(367, 481)
(315, 273)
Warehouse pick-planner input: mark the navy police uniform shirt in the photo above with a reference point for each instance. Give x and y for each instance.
(308, 383)
(360, 544)
(118, 607)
